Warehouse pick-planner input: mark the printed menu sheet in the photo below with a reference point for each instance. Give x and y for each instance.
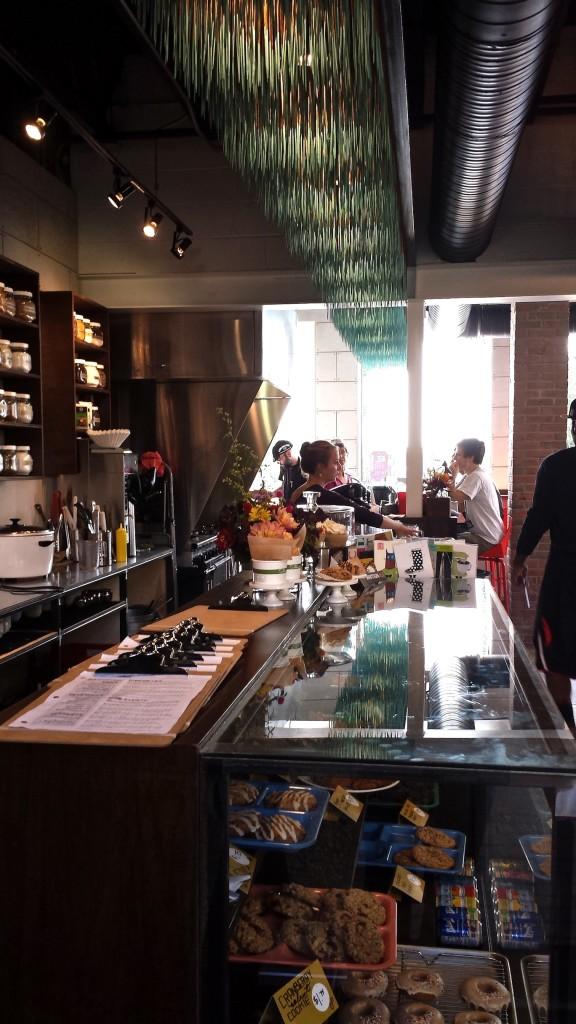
(115, 704)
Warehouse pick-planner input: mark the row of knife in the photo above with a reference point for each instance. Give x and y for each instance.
(84, 522)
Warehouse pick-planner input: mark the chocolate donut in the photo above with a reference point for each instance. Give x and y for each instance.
(483, 993)
(420, 982)
(364, 1011)
(476, 1017)
(418, 1013)
(369, 984)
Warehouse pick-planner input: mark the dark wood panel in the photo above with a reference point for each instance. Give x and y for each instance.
(58, 383)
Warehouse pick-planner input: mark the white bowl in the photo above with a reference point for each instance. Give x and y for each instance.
(108, 438)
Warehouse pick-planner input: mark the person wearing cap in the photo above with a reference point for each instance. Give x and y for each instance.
(553, 511)
(291, 474)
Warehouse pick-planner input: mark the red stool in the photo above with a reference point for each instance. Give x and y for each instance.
(494, 559)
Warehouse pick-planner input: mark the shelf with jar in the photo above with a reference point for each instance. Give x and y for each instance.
(75, 374)
(21, 419)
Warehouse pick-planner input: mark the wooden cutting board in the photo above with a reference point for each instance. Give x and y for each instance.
(214, 620)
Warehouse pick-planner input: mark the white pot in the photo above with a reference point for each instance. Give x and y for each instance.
(269, 571)
(25, 552)
(294, 569)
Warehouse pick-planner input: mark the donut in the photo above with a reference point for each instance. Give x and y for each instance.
(420, 982)
(483, 993)
(476, 1017)
(540, 997)
(364, 1011)
(370, 984)
(418, 1013)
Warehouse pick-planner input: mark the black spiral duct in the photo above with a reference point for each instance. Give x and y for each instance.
(492, 59)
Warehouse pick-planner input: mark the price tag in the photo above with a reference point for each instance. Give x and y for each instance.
(307, 998)
(414, 814)
(346, 803)
(240, 866)
(408, 883)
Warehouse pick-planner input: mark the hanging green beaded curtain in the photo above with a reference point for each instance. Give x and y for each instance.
(297, 92)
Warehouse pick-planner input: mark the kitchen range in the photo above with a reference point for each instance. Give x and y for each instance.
(204, 566)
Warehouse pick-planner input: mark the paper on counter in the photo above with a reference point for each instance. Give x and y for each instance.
(129, 643)
(113, 704)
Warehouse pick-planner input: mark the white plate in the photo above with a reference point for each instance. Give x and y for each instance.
(374, 789)
(335, 583)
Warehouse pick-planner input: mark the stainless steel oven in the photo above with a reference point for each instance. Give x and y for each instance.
(203, 566)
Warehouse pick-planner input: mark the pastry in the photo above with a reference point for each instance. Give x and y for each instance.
(292, 800)
(405, 858)
(253, 935)
(241, 793)
(289, 906)
(476, 1017)
(243, 823)
(435, 837)
(432, 857)
(420, 982)
(301, 892)
(279, 828)
(418, 1013)
(364, 1011)
(363, 941)
(370, 984)
(540, 997)
(336, 573)
(483, 993)
(542, 845)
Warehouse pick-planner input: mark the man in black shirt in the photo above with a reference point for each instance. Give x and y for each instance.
(291, 474)
(554, 510)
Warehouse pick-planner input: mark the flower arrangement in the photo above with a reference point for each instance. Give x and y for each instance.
(259, 522)
(436, 481)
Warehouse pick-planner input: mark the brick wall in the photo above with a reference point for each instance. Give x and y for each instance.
(539, 365)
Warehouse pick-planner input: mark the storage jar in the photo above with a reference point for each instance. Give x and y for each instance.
(21, 358)
(80, 373)
(88, 337)
(8, 453)
(3, 405)
(92, 375)
(9, 303)
(83, 415)
(2, 297)
(24, 461)
(78, 327)
(25, 306)
(97, 334)
(102, 374)
(95, 418)
(5, 355)
(11, 407)
(24, 410)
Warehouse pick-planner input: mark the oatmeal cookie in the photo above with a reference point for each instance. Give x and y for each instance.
(405, 858)
(432, 857)
(353, 901)
(254, 906)
(435, 837)
(302, 892)
(254, 935)
(363, 941)
(289, 906)
(293, 934)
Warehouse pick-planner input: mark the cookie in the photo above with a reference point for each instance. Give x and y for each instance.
(542, 845)
(432, 857)
(318, 940)
(293, 934)
(293, 800)
(241, 793)
(254, 935)
(243, 823)
(405, 858)
(302, 892)
(435, 837)
(254, 906)
(279, 828)
(363, 941)
(289, 906)
(353, 901)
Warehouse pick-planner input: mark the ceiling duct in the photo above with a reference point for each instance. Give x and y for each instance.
(492, 59)
(449, 318)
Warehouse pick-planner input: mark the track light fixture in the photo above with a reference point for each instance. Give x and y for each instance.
(36, 128)
(180, 243)
(151, 222)
(120, 192)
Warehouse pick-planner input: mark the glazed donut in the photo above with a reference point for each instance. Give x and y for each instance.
(369, 984)
(476, 1017)
(484, 993)
(364, 1011)
(418, 1013)
(420, 982)
(540, 997)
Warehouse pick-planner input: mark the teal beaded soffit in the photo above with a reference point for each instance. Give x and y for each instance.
(298, 94)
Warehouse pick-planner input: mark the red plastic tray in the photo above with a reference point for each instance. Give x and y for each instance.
(282, 954)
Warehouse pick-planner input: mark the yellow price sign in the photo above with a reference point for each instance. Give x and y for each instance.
(408, 883)
(346, 803)
(307, 998)
(414, 814)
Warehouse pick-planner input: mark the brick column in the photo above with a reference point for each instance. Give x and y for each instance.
(539, 372)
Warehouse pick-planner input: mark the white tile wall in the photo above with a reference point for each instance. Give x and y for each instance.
(340, 395)
(347, 366)
(328, 339)
(326, 366)
(336, 391)
(347, 425)
(326, 425)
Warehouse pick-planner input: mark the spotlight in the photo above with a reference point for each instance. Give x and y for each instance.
(121, 192)
(151, 222)
(180, 243)
(36, 129)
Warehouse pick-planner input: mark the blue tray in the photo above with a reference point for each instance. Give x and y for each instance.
(534, 859)
(310, 820)
(380, 843)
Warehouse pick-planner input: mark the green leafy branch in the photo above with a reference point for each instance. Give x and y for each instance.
(242, 460)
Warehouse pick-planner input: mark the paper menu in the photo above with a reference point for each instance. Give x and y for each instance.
(149, 705)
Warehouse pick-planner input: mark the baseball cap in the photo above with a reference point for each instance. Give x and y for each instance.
(572, 410)
(279, 448)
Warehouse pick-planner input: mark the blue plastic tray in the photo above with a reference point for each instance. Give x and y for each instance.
(311, 820)
(534, 859)
(380, 843)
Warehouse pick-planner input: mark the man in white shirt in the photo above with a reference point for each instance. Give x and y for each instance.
(476, 495)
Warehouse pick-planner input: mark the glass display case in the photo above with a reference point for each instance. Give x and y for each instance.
(415, 695)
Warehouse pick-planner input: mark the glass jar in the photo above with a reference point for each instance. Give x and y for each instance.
(2, 297)
(8, 453)
(101, 374)
(92, 375)
(88, 337)
(25, 306)
(78, 327)
(5, 354)
(11, 407)
(3, 405)
(95, 418)
(21, 358)
(9, 302)
(80, 373)
(24, 410)
(83, 415)
(24, 461)
(97, 334)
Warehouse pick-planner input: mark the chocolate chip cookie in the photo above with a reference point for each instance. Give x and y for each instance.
(435, 837)
(432, 857)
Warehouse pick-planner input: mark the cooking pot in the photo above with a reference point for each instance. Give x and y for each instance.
(25, 551)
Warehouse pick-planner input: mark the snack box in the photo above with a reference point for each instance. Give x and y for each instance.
(377, 849)
(535, 860)
(283, 954)
(310, 820)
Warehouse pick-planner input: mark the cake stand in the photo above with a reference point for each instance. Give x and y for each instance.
(272, 593)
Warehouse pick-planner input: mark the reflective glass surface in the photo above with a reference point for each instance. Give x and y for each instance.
(414, 674)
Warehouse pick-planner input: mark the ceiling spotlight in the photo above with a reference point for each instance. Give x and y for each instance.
(180, 243)
(151, 223)
(36, 128)
(121, 192)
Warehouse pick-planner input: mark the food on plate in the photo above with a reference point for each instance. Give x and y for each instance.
(363, 941)
(420, 982)
(253, 935)
(364, 1011)
(335, 572)
(418, 1013)
(432, 857)
(370, 984)
(301, 892)
(476, 1017)
(435, 837)
(254, 906)
(241, 793)
(355, 902)
(355, 566)
(347, 782)
(540, 997)
(405, 858)
(289, 906)
(292, 800)
(542, 845)
(276, 828)
(483, 993)
(243, 823)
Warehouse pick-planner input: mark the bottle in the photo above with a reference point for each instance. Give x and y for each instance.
(121, 544)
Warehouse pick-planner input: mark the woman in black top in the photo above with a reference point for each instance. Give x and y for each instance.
(320, 460)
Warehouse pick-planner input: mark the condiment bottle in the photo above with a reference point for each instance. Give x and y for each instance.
(121, 544)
